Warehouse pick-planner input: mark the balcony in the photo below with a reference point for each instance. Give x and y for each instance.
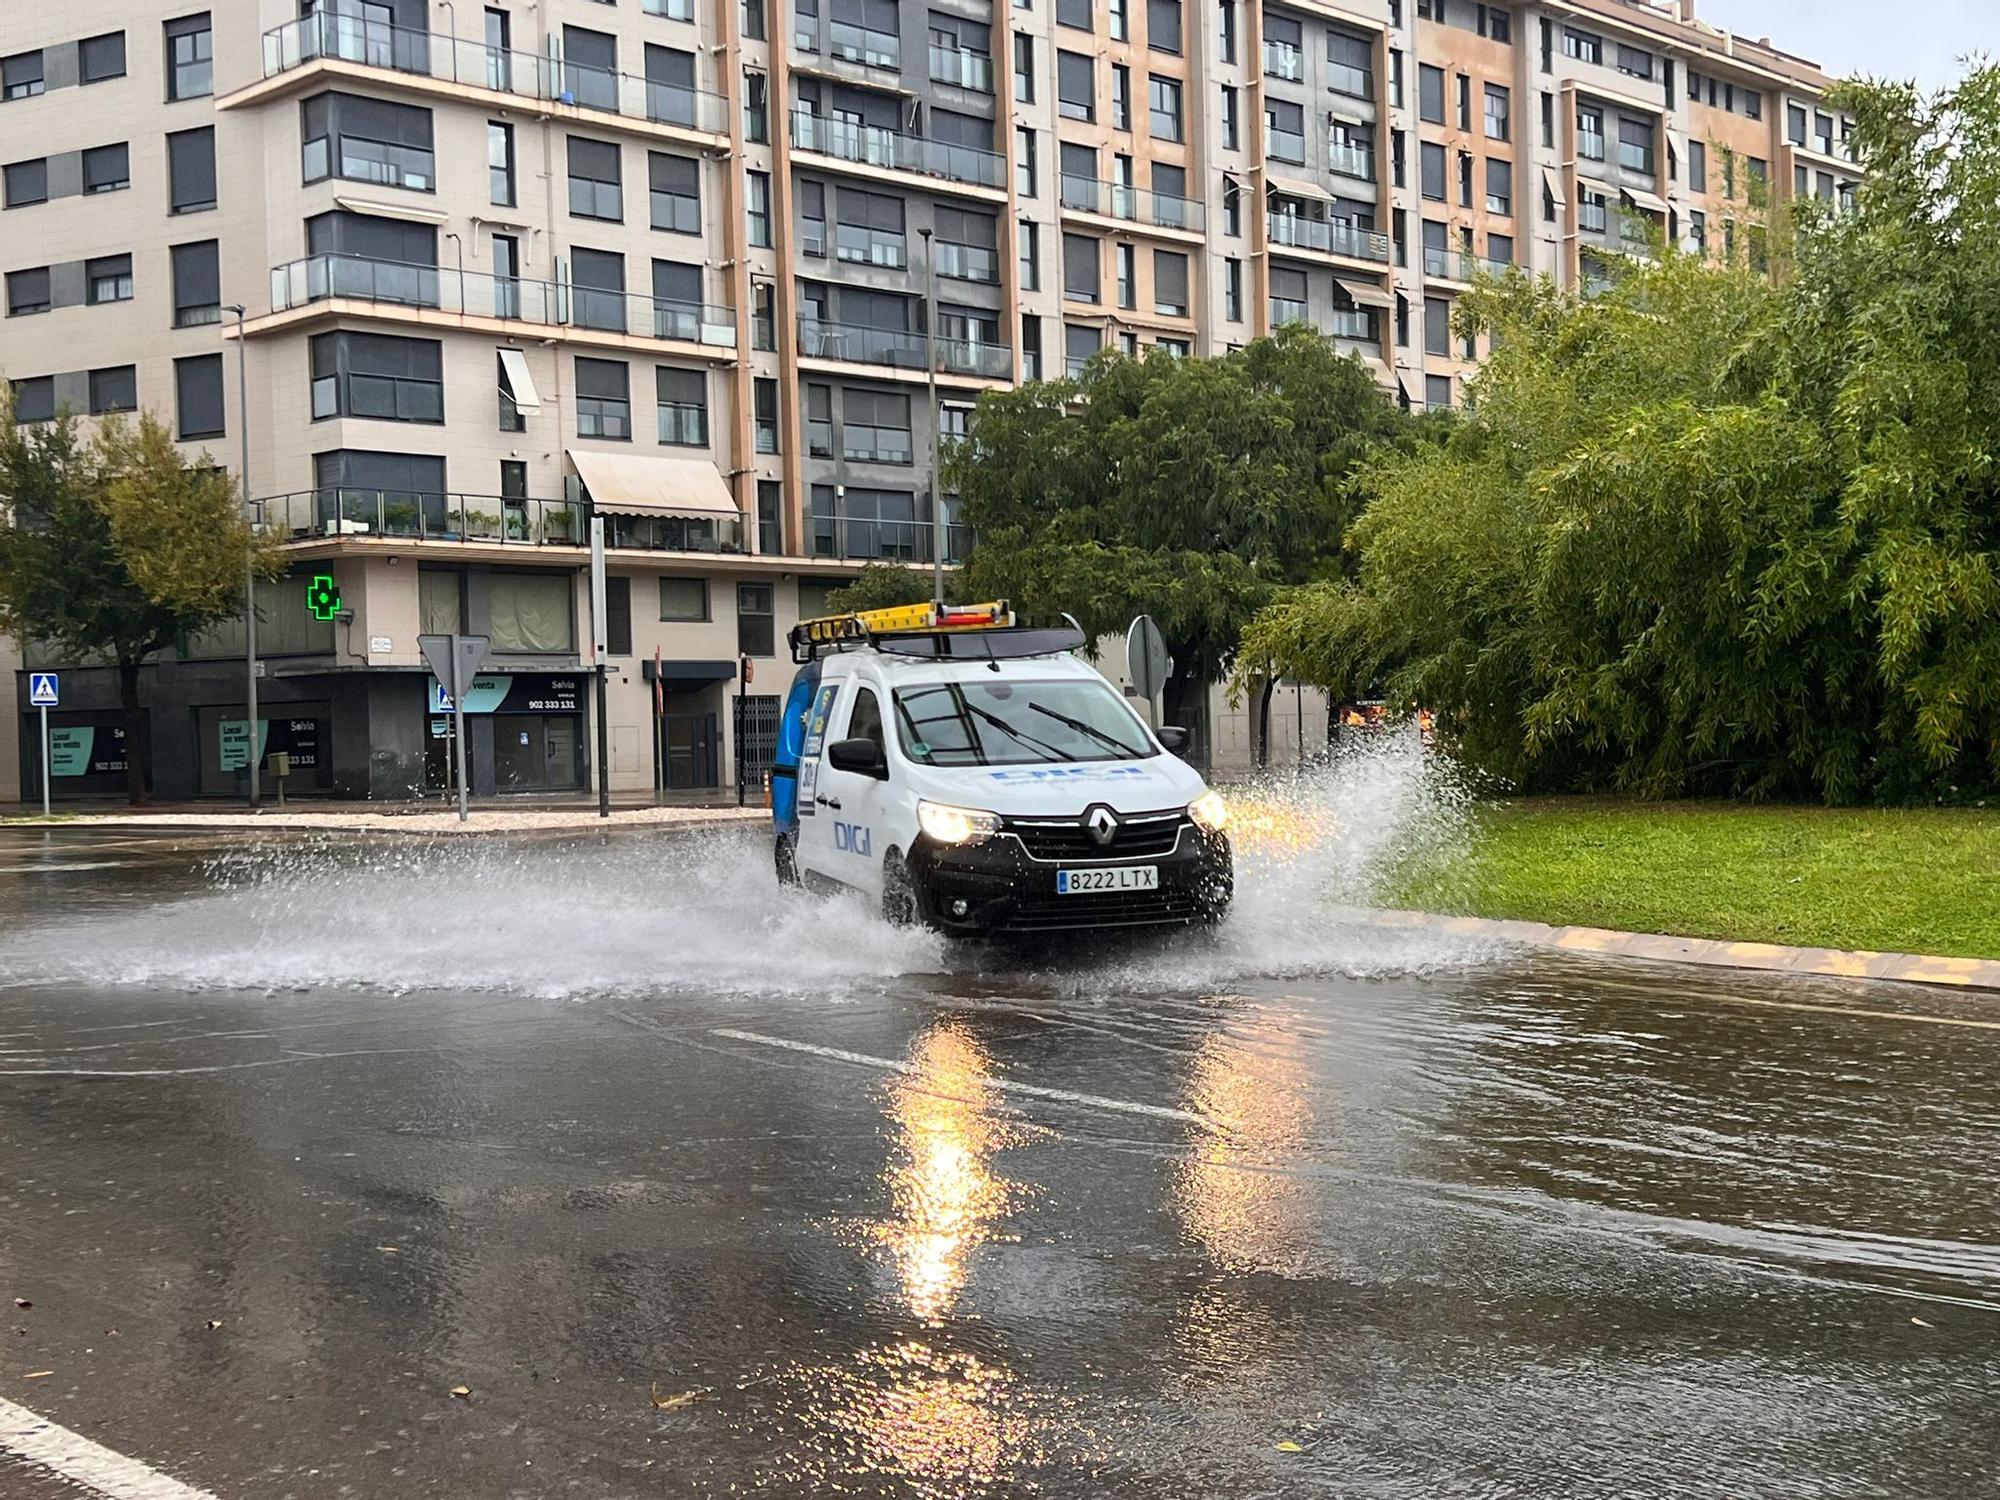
(868, 539)
(860, 44)
(1457, 265)
(959, 262)
(962, 69)
(1351, 161)
(456, 60)
(1327, 237)
(902, 349)
(956, 356)
(487, 520)
(547, 304)
(1283, 60)
(871, 145)
(1133, 205)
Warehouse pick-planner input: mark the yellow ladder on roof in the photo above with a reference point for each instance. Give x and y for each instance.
(906, 619)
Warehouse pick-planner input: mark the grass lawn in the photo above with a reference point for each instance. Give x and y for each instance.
(1918, 881)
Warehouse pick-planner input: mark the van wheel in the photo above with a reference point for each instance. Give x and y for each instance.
(786, 855)
(899, 893)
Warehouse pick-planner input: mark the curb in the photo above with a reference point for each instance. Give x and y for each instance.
(421, 825)
(1715, 953)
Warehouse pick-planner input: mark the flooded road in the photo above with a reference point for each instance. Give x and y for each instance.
(699, 1190)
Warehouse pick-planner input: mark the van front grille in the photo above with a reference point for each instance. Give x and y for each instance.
(1146, 835)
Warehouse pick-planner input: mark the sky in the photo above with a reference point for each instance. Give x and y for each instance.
(1921, 39)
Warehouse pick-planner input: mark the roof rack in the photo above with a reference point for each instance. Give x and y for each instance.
(943, 632)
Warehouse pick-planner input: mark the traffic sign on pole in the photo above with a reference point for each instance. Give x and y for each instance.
(455, 660)
(1146, 658)
(44, 690)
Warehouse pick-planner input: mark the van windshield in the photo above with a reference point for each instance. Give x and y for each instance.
(1007, 722)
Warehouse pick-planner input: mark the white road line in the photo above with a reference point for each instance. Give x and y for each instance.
(266, 1062)
(94, 1467)
(1005, 1085)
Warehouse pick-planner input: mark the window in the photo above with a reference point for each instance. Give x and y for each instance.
(756, 106)
(27, 291)
(377, 376)
(1584, 46)
(819, 421)
(1232, 290)
(1228, 28)
(114, 389)
(1437, 392)
(1029, 240)
(603, 399)
(1024, 68)
(595, 188)
(1074, 13)
(506, 275)
(1080, 268)
(968, 245)
(1698, 231)
(675, 185)
(1350, 62)
(1430, 157)
(1288, 295)
(1496, 112)
(21, 75)
(590, 68)
(26, 182)
(1590, 132)
(1232, 208)
(753, 20)
(368, 140)
(1499, 185)
(1284, 130)
(191, 170)
(1495, 23)
(875, 427)
(1232, 118)
(512, 418)
(758, 208)
(1465, 179)
(1121, 97)
(756, 631)
(763, 315)
(869, 229)
(198, 396)
(1126, 260)
(1430, 94)
(1548, 119)
(1437, 326)
(764, 408)
(1080, 342)
(1698, 166)
(683, 600)
(1590, 214)
(1753, 104)
(1163, 25)
(812, 219)
(1464, 102)
(1076, 86)
(530, 612)
(683, 397)
(770, 518)
(101, 57)
(1500, 248)
(35, 398)
(1635, 62)
(190, 58)
(1163, 97)
(1170, 283)
(106, 169)
(108, 279)
(1024, 162)
(1635, 144)
(500, 163)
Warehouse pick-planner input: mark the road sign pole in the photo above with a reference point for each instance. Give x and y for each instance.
(46, 752)
(600, 648)
(458, 691)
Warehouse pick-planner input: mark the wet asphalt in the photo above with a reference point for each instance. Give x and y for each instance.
(691, 1193)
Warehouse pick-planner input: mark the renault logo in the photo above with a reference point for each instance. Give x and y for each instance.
(1102, 823)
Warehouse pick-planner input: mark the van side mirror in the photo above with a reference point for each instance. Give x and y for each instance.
(861, 756)
(1172, 736)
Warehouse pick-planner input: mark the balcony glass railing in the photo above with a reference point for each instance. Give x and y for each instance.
(527, 75)
(863, 537)
(1351, 161)
(873, 146)
(1284, 310)
(864, 45)
(1283, 60)
(487, 519)
(1328, 238)
(1345, 78)
(901, 349)
(858, 245)
(962, 69)
(1134, 205)
(1457, 265)
(972, 357)
(319, 278)
(958, 262)
(1285, 145)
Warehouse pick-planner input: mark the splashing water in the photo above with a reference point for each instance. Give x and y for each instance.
(634, 915)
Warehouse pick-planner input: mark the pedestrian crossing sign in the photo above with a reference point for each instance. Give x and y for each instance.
(43, 690)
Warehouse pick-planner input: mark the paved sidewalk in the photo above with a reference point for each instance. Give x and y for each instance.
(579, 819)
(1776, 958)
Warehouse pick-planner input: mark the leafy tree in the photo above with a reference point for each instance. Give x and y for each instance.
(117, 548)
(1184, 489)
(885, 585)
(1709, 531)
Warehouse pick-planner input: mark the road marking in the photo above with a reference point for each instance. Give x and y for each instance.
(76, 1458)
(266, 1062)
(1004, 1085)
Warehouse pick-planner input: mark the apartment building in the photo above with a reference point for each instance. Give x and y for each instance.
(724, 273)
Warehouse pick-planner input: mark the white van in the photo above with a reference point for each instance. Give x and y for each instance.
(980, 778)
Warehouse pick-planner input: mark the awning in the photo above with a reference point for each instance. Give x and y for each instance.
(383, 210)
(1552, 180)
(624, 484)
(1365, 294)
(517, 382)
(1296, 187)
(681, 676)
(1644, 201)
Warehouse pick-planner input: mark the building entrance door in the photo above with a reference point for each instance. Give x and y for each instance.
(693, 752)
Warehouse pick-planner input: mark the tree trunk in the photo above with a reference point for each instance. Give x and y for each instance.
(138, 752)
(1264, 695)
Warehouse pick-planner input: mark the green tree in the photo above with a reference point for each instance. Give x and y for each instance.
(884, 585)
(1710, 531)
(1184, 489)
(117, 548)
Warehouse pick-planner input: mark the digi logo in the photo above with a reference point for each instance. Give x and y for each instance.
(853, 838)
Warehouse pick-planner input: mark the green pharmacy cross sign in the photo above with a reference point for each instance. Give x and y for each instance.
(323, 597)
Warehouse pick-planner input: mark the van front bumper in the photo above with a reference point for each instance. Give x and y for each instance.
(994, 887)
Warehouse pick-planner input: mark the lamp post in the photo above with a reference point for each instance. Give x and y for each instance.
(931, 361)
(249, 571)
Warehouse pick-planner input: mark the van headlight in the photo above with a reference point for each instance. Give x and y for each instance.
(946, 824)
(1210, 811)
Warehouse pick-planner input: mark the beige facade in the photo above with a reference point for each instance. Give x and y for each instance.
(730, 246)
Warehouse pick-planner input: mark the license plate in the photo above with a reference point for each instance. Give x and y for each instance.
(1114, 878)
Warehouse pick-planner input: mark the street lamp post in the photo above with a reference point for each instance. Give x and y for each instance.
(249, 570)
(931, 360)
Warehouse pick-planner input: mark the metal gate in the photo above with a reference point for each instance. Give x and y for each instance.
(756, 739)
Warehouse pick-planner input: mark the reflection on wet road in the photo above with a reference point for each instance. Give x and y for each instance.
(870, 1218)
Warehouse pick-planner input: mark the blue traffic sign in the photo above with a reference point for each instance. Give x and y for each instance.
(44, 690)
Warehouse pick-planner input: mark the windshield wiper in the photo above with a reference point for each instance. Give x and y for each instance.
(1024, 738)
(1092, 730)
